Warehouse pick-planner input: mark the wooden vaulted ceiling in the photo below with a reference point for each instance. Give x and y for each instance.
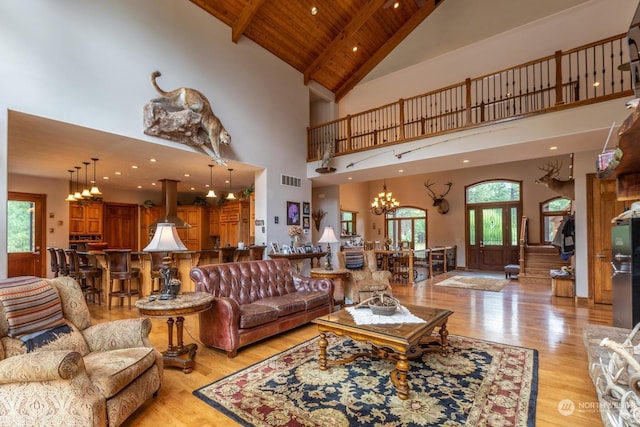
(322, 45)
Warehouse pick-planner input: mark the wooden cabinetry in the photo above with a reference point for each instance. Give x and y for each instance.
(85, 221)
(148, 216)
(234, 224)
(196, 237)
(120, 223)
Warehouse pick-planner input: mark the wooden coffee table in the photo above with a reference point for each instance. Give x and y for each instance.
(397, 342)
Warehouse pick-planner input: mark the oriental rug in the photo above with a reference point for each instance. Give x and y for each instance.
(476, 383)
(477, 283)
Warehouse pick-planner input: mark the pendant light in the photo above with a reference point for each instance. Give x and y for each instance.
(70, 197)
(86, 194)
(211, 194)
(94, 188)
(230, 196)
(384, 202)
(77, 194)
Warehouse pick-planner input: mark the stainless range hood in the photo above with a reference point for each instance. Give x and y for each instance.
(170, 201)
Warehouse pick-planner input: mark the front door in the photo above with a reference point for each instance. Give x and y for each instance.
(492, 235)
(602, 207)
(25, 234)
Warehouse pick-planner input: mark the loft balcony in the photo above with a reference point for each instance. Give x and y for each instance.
(589, 74)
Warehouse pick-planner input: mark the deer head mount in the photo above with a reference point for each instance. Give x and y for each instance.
(439, 201)
(564, 188)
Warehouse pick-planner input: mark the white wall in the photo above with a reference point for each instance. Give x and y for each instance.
(88, 63)
(582, 24)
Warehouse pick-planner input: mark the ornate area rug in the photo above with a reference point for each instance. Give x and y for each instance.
(477, 383)
(475, 282)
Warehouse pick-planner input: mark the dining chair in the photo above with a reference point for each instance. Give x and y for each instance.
(119, 262)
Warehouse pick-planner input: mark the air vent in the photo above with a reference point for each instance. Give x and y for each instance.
(290, 181)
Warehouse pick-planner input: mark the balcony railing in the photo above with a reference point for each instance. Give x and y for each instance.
(567, 79)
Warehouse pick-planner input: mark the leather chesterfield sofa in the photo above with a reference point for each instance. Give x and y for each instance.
(255, 300)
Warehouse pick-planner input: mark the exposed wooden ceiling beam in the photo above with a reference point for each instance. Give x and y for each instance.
(386, 48)
(247, 14)
(349, 30)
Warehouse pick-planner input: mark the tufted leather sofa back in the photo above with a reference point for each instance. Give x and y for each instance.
(245, 281)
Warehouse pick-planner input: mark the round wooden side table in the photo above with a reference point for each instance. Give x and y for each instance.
(184, 304)
(337, 276)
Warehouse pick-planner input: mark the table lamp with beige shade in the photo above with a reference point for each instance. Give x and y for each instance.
(166, 239)
(328, 237)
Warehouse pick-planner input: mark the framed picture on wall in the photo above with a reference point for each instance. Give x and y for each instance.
(306, 223)
(293, 213)
(306, 208)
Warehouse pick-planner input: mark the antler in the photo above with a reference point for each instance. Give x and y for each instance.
(551, 169)
(426, 184)
(433, 195)
(449, 184)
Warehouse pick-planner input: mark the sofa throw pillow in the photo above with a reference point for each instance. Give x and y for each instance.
(29, 304)
(354, 260)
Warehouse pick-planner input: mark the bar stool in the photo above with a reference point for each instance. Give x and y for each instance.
(256, 252)
(63, 265)
(226, 253)
(119, 262)
(89, 277)
(54, 261)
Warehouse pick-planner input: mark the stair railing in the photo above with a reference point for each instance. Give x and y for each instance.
(524, 237)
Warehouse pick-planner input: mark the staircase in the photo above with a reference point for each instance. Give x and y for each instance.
(538, 260)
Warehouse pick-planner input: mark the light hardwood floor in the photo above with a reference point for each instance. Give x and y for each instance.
(520, 315)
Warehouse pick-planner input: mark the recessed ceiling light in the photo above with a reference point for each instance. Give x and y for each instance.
(134, 166)
(192, 188)
(314, 10)
(187, 175)
(553, 148)
(139, 186)
(355, 48)
(349, 178)
(465, 161)
(400, 170)
(396, 5)
(105, 177)
(152, 160)
(596, 84)
(118, 173)
(153, 183)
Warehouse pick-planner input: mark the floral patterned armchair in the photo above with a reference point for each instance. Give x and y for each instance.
(58, 369)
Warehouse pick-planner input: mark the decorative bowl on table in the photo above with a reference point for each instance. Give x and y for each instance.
(383, 304)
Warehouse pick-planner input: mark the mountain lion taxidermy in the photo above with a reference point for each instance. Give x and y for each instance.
(190, 99)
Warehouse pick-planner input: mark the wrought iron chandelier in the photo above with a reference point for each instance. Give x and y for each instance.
(384, 202)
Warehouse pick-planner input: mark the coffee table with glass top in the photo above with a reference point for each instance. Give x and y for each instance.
(397, 342)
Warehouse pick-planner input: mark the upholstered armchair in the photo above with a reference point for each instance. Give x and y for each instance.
(58, 369)
(365, 278)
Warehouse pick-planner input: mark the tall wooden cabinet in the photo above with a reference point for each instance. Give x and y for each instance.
(85, 221)
(234, 223)
(120, 223)
(196, 237)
